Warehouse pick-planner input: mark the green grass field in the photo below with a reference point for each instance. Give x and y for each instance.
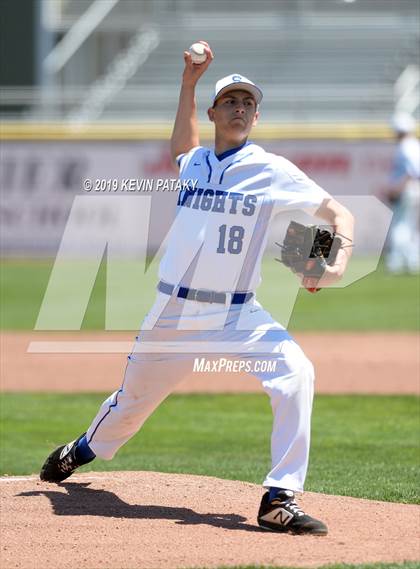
(376, 302)
(362, 446)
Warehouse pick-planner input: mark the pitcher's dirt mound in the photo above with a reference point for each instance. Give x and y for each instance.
(130, 520)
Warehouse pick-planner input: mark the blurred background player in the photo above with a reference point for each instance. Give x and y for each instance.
(403, 193)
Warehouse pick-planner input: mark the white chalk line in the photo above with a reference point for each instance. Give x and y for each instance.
(17, 478)
(37, 479)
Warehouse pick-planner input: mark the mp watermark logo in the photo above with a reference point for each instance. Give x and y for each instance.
(128, 234)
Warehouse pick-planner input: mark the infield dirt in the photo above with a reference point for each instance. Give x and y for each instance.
(130, 520)
(374, 362)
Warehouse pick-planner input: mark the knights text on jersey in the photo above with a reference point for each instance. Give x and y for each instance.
(220, 230)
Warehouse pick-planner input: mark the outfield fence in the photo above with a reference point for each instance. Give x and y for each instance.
(45, 167)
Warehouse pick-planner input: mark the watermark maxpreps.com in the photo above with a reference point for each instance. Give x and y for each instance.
(235, 366)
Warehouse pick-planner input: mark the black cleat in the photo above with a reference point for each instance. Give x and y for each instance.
(282, 514)
(61, 463)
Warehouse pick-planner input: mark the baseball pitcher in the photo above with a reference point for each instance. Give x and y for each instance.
(206, 292)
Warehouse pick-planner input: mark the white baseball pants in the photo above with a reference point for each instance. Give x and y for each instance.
(174, 333)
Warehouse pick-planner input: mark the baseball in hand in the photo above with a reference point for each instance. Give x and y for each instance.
(198, 54)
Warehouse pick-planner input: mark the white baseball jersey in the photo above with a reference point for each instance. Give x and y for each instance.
(220, 231)
(407, 160)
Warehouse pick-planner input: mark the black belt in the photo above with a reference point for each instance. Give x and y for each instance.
(203, 295)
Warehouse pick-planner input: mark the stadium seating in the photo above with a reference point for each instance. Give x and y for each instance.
(316, 60)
